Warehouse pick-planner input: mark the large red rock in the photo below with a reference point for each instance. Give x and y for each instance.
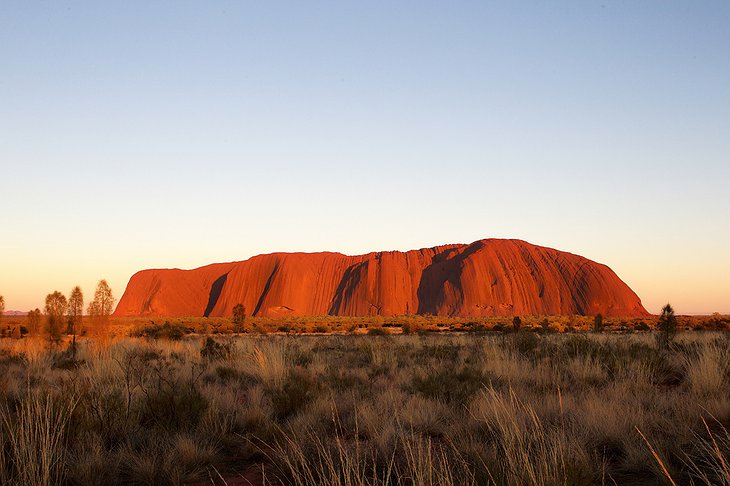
(486, 278)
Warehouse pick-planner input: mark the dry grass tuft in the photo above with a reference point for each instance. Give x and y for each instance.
(707, 373)
(35, 434)
(269, 363)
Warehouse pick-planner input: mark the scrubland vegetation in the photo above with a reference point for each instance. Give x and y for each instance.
(511, 407)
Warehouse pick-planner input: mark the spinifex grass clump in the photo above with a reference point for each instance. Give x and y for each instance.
(35, 439)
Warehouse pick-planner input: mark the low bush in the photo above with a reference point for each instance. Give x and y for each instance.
(172, 400)
(299, 388)
(214, 351)
(450, 385)
(170, 331)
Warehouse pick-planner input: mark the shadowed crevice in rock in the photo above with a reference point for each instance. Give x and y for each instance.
(215, 293)
(346, 289)
(147, 306)
(446, 267)
(267, 287)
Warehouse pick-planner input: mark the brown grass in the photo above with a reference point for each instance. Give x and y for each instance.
(485, 408)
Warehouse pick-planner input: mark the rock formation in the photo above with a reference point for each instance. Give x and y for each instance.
(491, 277)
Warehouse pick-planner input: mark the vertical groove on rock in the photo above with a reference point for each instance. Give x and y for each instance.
(215, 293)
(265, 292)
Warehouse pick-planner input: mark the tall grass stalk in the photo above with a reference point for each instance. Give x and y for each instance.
(711, 465)
(532, 452)
(35, 434)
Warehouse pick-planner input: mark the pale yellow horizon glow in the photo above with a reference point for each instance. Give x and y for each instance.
(26, 280)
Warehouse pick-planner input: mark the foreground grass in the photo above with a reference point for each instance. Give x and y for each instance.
(520, 408)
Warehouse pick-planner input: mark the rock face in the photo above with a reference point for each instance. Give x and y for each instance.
(486, 278)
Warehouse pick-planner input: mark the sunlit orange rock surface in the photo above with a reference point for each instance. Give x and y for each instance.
(490, 277)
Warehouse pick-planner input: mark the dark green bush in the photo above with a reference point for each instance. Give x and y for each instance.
(226, 373)
(449, 385)
(642, 326)
(303, 359)
(524, 343)
(171, 331)
(516, 323)
(8, 358)
(479, 328)
(214, 351)
(66, 359)
(299, 388)
(666, 372)
(342, 380)
(598, 323)
(173, 405)
(439, 351)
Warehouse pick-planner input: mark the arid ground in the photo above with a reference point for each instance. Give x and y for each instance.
(481, 407)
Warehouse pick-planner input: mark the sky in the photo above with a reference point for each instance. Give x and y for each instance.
(176, 134)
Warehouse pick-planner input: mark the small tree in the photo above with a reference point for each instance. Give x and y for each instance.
(516, 323)
(598, 323)
(239, 318)
(75, 314)
(34, 322)
(545, 325)
(102, 306)
(56, 305)
(667, 327)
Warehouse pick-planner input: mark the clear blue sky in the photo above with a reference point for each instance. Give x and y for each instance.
(175, 134)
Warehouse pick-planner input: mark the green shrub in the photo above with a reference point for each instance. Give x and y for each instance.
(642, 326)
(479, 328)
(448, 352)
(342, 380)
(302, 359)
(214, 351)
(226, 373)
(299, 388)
(667, 327)
(66, 360)
(449, 385)
(666, 372)
(171, 331)
(524, 343)
(8, 358)
(598, 323)
(173, 405)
